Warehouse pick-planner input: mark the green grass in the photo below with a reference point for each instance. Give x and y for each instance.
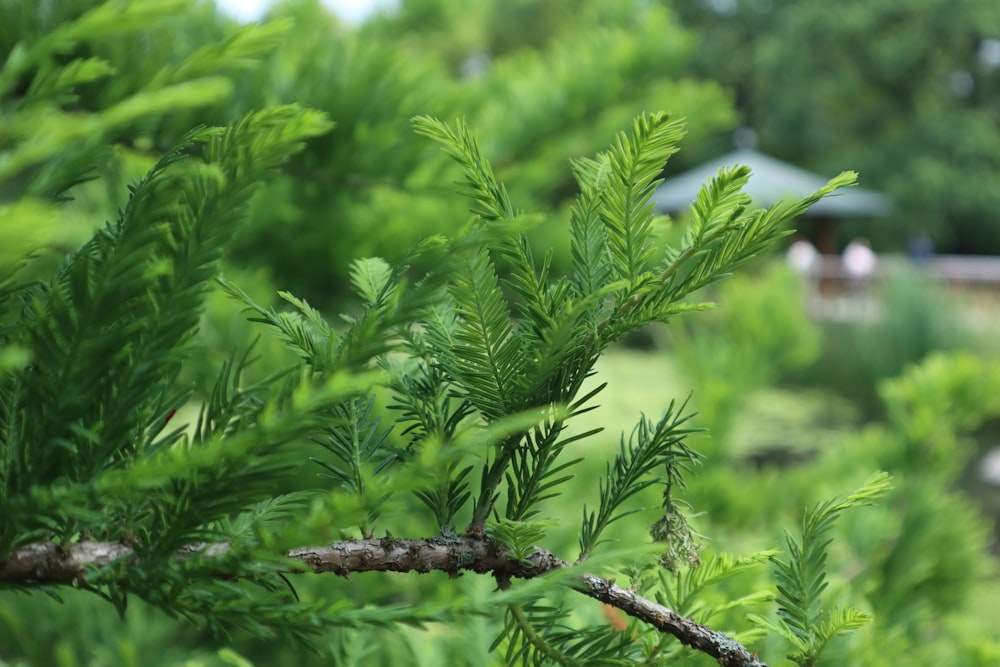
(638, 382)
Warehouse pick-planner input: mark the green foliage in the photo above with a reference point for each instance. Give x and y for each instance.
(693, 590)
(652, 446)
(936, 570)
(359, 449)
(107, 334)
(683, 589)
(493, 349)
(635, 162)
(486, 358)
(519, 536)
(931, 452)
(561, 644)
(758, 336)
(908, 96)
(51, 139)
(71, 86)
(935, 405)
(485, 376)
(802, 620)
(917, 318)
(371, 188)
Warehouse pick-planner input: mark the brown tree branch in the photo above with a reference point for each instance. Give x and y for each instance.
(48, 563)
(726, 651)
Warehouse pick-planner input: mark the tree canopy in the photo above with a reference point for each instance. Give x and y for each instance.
(906, 93)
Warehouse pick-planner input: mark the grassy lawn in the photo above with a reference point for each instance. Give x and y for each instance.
(639, 382)
(644, 382)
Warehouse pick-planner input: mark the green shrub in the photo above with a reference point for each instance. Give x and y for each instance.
(758, 335)
(916, 317)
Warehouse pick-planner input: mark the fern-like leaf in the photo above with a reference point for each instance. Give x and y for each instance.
(636, 161)
(360, 449)
(681, 590)
(480, 184)
(589, 244)
(802, 578)
(718, 203)
(486, 353)
(540, 635)
(651, 446)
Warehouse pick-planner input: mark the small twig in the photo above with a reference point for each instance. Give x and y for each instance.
(727, 651)
(48, 563)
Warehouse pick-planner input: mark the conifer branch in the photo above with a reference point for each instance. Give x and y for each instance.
(726, 651)
(49, 563)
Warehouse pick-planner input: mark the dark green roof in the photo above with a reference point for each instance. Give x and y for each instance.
(771, 181)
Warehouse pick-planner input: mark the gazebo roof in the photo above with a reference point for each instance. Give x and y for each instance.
(771, 180)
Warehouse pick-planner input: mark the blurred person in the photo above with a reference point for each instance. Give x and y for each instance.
(802, 256)
(921, 248)
(859, 262)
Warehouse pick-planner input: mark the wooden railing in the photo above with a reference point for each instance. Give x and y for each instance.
(960, 270)
(974, 280)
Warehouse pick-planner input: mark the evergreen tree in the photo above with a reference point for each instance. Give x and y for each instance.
(445, 408)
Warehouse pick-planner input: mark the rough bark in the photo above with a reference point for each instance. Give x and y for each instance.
(48, 563)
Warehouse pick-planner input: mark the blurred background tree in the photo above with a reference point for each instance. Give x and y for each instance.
(907, 93)
(561, 88)
(540, 81)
